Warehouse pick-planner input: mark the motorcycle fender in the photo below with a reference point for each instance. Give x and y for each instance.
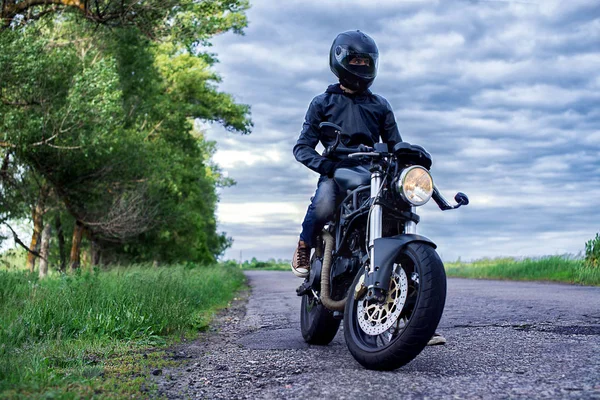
(386, 251)
(314, 279)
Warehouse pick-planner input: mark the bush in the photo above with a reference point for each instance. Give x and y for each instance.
(592, 252)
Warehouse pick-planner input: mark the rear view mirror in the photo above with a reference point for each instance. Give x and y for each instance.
(330, 125)
(461, 199)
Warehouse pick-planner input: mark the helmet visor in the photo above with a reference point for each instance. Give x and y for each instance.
(363, 65)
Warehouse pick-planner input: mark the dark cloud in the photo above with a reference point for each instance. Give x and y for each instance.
(503, 94)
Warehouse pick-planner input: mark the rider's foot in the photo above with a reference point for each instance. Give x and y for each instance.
(436, 339)
(301, 261)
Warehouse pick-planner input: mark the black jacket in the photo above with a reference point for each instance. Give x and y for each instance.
(361, 113)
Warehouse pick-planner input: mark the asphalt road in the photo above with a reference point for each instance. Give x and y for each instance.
(505, 340)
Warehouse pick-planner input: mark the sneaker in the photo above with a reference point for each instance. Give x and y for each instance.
(301, 260)
(436, 339)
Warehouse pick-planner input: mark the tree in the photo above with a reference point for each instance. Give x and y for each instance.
(37, 216)
(45, 250)
(193, 21)
(104, 118)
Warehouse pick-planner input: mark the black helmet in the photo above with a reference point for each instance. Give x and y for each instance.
(348, 47)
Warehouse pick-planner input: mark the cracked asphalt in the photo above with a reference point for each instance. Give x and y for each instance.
(505, 340)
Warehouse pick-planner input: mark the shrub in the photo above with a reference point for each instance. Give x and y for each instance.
(592, 252)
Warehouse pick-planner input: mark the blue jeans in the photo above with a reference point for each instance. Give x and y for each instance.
(320, 210)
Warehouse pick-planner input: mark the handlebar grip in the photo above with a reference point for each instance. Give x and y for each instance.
(341, 149)
(346, 150)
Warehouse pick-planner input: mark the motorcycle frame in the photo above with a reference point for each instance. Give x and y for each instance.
(382, 251)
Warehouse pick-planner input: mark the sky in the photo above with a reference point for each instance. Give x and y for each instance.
(503, 94)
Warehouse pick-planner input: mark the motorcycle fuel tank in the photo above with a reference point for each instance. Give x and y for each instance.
(351, 178)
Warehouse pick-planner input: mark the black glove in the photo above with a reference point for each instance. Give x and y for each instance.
(364, 148)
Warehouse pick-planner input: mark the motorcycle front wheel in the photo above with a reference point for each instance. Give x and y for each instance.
(419, 273)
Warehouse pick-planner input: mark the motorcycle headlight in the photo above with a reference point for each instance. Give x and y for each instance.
(415, 185)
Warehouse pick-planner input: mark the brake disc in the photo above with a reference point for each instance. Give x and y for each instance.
(375, 318)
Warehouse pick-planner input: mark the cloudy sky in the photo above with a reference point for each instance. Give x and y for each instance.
(503, 94)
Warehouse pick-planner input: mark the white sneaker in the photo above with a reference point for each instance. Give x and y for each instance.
(436, 340)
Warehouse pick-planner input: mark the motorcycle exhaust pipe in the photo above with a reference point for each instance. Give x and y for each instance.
(326, 300)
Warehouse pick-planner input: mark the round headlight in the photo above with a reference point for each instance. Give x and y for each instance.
(415, 185)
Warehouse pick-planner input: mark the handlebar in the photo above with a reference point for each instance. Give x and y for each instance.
(364, 154)
(339, 148)
(378, 151)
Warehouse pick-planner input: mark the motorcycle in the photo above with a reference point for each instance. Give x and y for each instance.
(370, 267)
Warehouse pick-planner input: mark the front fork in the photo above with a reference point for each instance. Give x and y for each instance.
(376, 218)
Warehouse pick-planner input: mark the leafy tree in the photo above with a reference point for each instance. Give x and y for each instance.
(103, 120)
(61, 105)
(190, 21)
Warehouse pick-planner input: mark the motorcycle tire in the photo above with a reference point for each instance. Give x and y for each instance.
(317, 323)
(421, 315)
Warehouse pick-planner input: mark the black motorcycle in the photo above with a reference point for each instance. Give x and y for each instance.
(371, 268)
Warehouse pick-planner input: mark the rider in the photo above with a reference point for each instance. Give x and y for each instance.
(351, 105)
(353, 58)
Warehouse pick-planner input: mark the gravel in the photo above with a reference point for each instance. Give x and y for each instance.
(505, 340)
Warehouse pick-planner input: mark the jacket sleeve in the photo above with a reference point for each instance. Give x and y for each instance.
(390, 133)
(304, 150)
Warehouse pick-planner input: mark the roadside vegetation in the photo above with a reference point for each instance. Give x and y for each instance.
(566, 268)
(254, 264)
(552, 268)
(101, 333)
(103, 163)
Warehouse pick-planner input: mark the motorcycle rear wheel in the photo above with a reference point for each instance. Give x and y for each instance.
(317, 323)
(420, 316)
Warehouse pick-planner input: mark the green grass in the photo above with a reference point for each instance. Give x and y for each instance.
(566, 269)
(551, 268)
(13, 260)
(255, 265)
(269, 267)
(97, 334)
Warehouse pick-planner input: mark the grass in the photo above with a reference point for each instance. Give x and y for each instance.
(13, 260)
(99, 333)
(566, 269)
(255, 265)
(550, 268)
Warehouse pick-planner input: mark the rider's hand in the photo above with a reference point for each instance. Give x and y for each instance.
(364, 148)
